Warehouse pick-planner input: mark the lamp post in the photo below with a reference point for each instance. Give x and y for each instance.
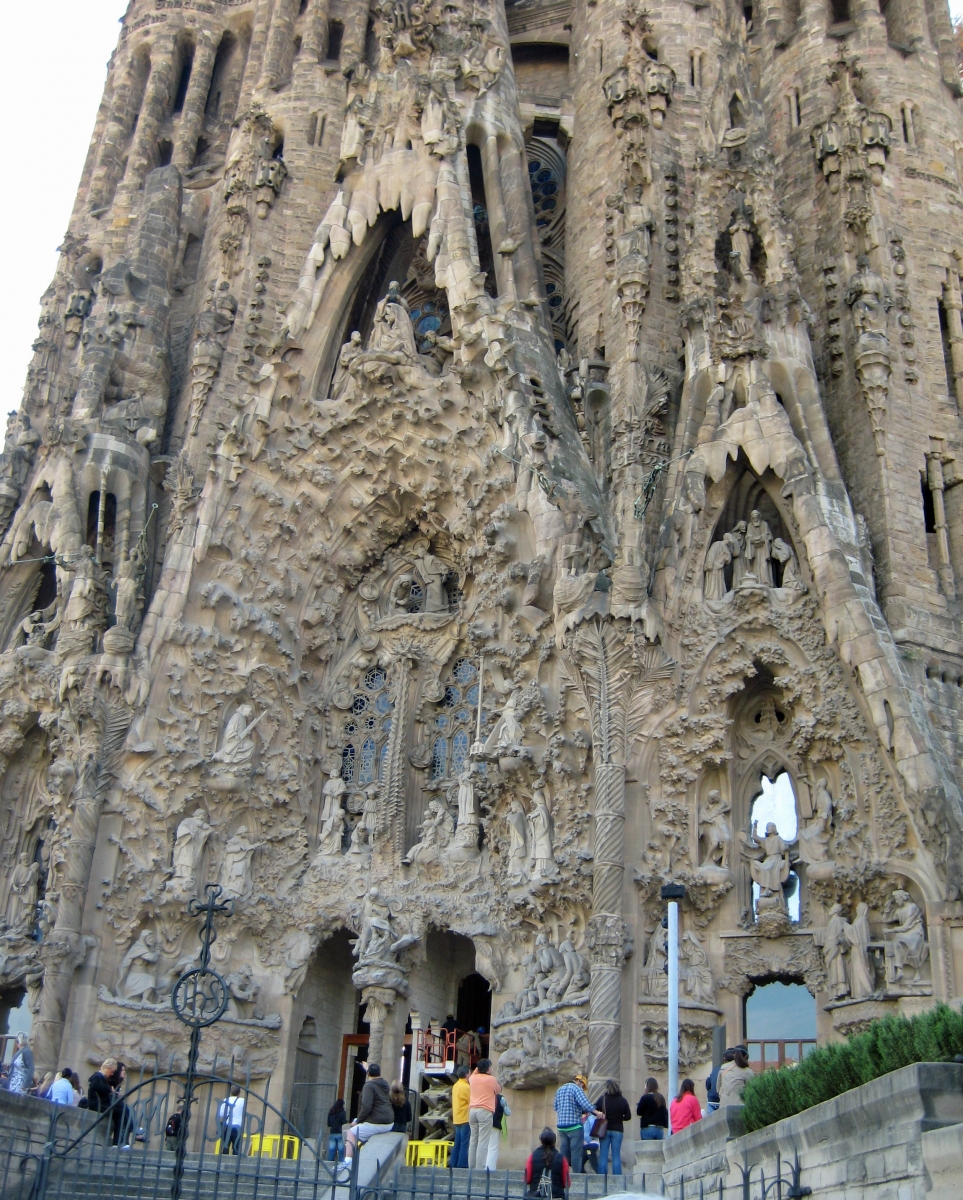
(673, 893)
(199, 999)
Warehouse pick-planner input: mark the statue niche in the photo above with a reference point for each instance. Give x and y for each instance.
(751, 550)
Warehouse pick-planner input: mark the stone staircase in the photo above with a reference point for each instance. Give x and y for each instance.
(438, 1183)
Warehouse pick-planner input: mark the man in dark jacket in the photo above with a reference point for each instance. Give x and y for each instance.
(374, 1116)
(101, 1096)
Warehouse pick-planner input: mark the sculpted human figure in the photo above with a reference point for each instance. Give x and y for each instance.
(858, 936)
(550, 967)
(866, 296)
(907, 936)
(736, 541)
(507, 735)
(136, 978)
(835, 947)
(237, 749)
(791, 577)
(518, 855)
(719, 556)
(433, 571)
(87, 603)
(351, 351)
(242, 990)
(332, 817)
(770, 868)
(714, 829)
(758, 543)
(436, 830)
(126, 584)
(192, 835)
(542, 833)
(697, 974)
(235, 874)
(814, 838)
(24, 886)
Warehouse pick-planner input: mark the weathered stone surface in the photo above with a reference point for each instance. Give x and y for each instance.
(461, 461)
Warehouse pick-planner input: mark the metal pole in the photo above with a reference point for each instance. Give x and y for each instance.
(673, 963)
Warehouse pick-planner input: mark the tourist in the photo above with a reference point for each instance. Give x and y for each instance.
(501, 1111)
(61, 1090)
(230, 1117)
(450, 1025)
(375, 1115)
(547, 1171)
(652, 1113)
(337, 1119)
(460, 1093)
(684, 1109)
(735, 1078)
(590, 1143)
(80, 1100)
(100, 1087)
(21, 1069)
(712, 1083)
(172, 1130)
(483, 1088)
(616, 1109)
(123, 1120)
(400, 1106)
(571, 1105)
(44, 1086)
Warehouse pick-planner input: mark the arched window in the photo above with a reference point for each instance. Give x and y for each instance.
(454, 722)
(776, 805)
(780, 1023)
(366, 727)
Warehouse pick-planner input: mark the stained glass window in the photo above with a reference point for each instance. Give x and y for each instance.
(367, 724)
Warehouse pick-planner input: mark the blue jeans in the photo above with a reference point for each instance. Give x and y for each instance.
(613, 1140)
(572, 1145)
(232, 1143)
(652, 1133)
(335, 1147)
(459, 1152)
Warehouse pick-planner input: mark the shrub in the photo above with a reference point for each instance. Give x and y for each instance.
(887, 1045)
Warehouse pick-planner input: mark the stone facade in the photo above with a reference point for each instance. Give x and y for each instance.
(469, 448)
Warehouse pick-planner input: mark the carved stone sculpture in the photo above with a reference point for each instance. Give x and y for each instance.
(235, 873)
(136, 976)
(189, 843)
(862, 975)
(906, 944)
(22, 908)
(714, 831)
(814, 838)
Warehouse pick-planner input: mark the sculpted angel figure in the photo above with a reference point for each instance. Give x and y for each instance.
(237, 750)
(332, 816)
(507, 735)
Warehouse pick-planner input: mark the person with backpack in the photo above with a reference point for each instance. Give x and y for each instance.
(337, 1119)
(547, 1172)
(230, 1118)
(652, 1113)
(617, 1112)
(501, 1112)
(172, 1130)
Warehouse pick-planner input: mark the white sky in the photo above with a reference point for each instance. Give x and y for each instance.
(53, 77)
(52, 80)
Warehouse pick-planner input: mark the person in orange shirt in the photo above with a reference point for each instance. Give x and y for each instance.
(483, 1088)
(684, 1109)
(460, 1094)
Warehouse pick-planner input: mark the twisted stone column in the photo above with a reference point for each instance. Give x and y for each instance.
(605, 935)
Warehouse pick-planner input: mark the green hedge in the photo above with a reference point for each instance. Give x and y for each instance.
(894, 1042)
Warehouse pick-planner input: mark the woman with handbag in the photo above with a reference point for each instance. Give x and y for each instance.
(616, 1109)
(653, 1113)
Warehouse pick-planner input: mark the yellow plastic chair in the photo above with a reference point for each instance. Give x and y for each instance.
(428, 1154)
(269, 1145)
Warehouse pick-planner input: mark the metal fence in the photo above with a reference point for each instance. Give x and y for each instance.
(127, 1153)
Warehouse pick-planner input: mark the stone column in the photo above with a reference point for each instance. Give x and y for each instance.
(64, 948)
(519, 218)
(355, 34)
(953, 306)
(934, 480)
(377, 1002)
(315, 44)
(255, 55)
(116, 133)
(504, 270)
(605, 934)
(395, 783)
(143, 153)
(192, 118)
(279, 44)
